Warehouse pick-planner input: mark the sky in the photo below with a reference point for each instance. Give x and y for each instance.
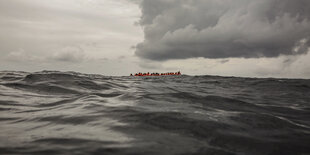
(249, 38)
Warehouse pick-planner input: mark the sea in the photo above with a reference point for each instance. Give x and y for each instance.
(52, 112)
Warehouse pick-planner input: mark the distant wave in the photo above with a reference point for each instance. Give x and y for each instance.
(53, 112)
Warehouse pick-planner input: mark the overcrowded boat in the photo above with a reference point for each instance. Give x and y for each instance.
(156, 74)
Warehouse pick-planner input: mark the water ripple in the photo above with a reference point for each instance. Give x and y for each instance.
(53, 112)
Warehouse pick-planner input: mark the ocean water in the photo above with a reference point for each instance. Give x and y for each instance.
(52, 112)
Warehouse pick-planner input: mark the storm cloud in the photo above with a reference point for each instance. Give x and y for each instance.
(178, 29)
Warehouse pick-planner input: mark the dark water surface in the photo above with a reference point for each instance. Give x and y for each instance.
(71, 113)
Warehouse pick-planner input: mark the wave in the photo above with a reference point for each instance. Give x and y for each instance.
(75, 113)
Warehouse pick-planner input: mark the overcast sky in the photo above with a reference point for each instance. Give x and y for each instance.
(254, 38)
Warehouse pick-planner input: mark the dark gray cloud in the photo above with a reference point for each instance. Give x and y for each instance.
(177, 29)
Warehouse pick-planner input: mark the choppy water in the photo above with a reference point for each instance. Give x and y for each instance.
(71, 113)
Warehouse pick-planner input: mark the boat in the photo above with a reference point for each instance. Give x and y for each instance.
(156, 74)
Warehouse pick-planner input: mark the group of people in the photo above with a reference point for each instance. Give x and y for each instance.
(156, 74)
